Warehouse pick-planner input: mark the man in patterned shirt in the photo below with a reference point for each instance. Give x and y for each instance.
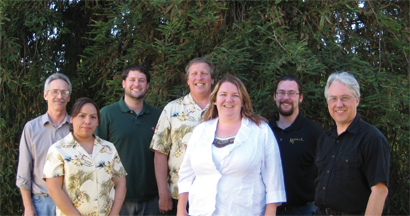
(174, 129)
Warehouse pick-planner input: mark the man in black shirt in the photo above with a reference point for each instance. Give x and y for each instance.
(353, 157)
(297, 137)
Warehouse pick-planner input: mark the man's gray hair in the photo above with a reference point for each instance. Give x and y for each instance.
(345, 78)
(55, 76)
(199, 60)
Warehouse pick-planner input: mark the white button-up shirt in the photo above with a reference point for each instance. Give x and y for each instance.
(250, 175)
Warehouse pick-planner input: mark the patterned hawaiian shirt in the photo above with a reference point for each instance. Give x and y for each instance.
(87, 180)
(174, 128)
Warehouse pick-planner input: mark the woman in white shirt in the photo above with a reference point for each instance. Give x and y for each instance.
(232, 165)
(84, 173)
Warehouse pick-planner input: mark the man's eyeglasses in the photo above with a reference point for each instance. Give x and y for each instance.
(343, 98)
(54, 92)
(290, 94)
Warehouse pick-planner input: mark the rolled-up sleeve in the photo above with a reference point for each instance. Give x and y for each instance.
(25, 165)
(272, 174)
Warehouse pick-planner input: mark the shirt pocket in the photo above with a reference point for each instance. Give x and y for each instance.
(347, 166)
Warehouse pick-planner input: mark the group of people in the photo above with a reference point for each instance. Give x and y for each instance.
(205, 153)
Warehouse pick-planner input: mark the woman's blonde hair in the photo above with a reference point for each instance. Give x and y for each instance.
(246, 111)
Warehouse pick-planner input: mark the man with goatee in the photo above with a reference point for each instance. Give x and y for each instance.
(297, 137)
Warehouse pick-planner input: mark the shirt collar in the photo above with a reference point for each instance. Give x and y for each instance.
(192, 101)
(124, 108)
(240, 137)
(294, 126)
(353, 127)
(46, 119)
(70, 141)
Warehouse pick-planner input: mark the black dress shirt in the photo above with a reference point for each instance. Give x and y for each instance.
(297, 145)
(349, 164)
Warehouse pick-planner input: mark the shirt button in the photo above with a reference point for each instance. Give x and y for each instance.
(337, 141)
(324, 188)
(333, 156)
(347, 160)
(328, 171)
(92, 164)
(280, 139)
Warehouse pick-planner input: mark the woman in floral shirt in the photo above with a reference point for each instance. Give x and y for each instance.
(84, 173)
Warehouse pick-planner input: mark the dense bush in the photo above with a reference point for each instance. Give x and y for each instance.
(92, 41)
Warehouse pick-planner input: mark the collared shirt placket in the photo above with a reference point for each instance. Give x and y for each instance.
(334, 154)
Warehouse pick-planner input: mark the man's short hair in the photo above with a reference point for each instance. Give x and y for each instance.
(345, 78)
(55, 76)
(290, 78)
(199, 60)
(134, 67)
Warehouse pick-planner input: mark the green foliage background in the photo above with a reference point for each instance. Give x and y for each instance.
(258, 41)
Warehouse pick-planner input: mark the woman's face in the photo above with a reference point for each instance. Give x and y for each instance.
(85, 123)
(228, 100)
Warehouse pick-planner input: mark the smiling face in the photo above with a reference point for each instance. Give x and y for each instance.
(85, 122)
(135, 85)
(287, 105)
(199, 79)
(228, 101)
(342, 112)
(57, 103)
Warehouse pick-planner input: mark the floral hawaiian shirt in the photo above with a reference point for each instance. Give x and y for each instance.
(174, 128)
(87, 179)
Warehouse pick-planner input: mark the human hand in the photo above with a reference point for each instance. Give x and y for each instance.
(30, 211)
(165, 204)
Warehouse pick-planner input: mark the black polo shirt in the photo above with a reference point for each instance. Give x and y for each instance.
(349, 164)
(297, 145)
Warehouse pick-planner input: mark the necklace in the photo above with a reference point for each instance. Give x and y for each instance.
(222, 143)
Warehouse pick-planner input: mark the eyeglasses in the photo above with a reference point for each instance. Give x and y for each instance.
(290, 94)
(54, 92)
(343, 98)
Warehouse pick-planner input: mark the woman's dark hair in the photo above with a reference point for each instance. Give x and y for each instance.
(79, 103)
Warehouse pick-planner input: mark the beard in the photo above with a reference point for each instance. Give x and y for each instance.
(139, 97)
(285, 112)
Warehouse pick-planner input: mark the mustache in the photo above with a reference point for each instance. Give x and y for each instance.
(286, 101)
(61, 100)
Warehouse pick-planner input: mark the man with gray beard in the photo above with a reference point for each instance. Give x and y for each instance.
(297, 137)
(38, 135)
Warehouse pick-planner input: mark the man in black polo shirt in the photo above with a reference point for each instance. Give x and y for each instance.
(297, 137)
(353, 158)
(130, 124)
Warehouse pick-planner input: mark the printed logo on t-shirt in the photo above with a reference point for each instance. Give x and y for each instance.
(292, 140)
